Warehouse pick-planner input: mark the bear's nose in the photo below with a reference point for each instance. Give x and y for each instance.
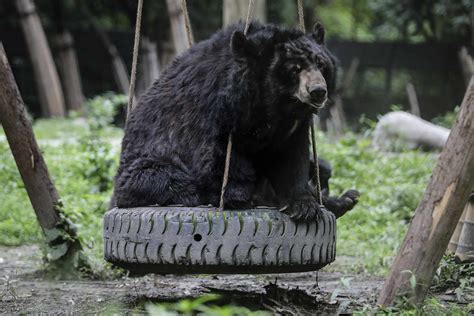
(317, 92)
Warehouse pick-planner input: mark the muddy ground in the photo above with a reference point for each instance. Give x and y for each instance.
(25, 290)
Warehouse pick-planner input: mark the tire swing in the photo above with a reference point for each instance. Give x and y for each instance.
(177, 239)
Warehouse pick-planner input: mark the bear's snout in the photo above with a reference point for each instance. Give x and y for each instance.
(318, 93)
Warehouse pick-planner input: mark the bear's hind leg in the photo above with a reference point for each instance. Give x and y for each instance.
(150, 182)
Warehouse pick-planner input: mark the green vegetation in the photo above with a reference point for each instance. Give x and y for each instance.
(201, 306)
(410, 21)
(447, 120)
(390, 185)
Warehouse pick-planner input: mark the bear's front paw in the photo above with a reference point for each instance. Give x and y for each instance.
(306, 208)
(351, 198)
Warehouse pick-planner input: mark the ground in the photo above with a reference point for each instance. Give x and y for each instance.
(24, 289)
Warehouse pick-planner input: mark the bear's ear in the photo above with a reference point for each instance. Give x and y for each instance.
(318, 33)
(241, 46)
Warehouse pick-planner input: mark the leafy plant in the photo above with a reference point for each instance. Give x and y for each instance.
(455, 276)
(200, 306)
(447, 120)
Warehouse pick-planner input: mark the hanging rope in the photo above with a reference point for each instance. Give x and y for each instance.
(226, 171)
(301, 15)
(187, 23)
(229, 141)
(136, 44)
(249, 16)
(313, 132)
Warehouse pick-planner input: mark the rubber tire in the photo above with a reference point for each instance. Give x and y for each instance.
(179, 240)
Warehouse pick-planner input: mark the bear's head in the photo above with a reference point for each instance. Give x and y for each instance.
(293, 67)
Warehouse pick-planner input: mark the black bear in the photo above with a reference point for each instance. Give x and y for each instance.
(262, 87)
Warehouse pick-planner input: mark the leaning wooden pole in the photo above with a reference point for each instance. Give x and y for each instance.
(438, 213)
(59, 232)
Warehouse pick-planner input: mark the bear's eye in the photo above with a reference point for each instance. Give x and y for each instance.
(320, 64)
(295, 69)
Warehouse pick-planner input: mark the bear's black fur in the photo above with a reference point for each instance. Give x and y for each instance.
(174, 147)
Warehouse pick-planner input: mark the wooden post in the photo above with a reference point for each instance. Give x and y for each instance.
(178, 29)
(149, 66)
(453, 242)
(46, 75)
(118, 66)
(59, 232)
(467, 64)
(69, 70)
(337, 117)
(465, 244)
(438, 213)
(236, 10)
(413, 100)
(119, 69)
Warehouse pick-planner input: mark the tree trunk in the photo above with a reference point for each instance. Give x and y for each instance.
(69, 71)
(59, 232)
(336, 117)
(413, 100)
(46, 75)
(437, 214)
(149, 66)
(236, 10)
(178, 28)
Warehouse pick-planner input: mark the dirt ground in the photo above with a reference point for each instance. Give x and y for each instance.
(24, 290)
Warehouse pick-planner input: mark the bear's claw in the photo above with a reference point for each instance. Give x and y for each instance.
(306, 208)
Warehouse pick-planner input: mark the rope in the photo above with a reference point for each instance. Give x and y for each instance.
(228, 154)
(136, 44)
(226, 171)
(313, 132)
(301, 15)
(187, 23)
(249, 16)
(316, 165)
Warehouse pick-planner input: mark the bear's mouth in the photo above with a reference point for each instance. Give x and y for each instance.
(315, 107)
